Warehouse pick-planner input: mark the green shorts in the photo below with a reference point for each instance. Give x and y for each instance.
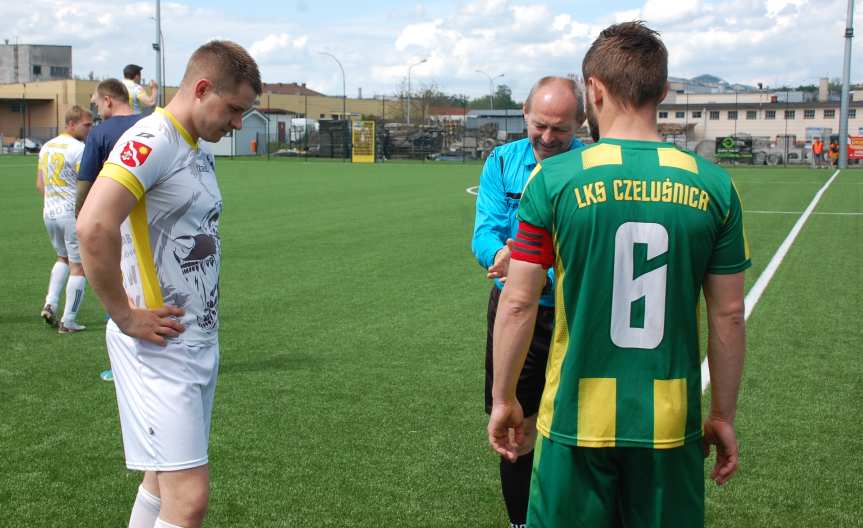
(616, 486)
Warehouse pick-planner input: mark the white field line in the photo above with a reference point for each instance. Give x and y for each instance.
(472, 190)
(800, 212)
(785, 182)
(760, 285)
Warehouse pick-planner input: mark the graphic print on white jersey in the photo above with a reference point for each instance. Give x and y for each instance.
(171, 245)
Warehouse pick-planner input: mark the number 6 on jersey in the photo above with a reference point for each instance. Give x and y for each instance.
(628, 289)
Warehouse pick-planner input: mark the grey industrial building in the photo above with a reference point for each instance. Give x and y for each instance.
(26, 63)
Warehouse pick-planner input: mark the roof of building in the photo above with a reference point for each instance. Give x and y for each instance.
(509, 112)
(765, 106)
(448, 110)
(289, 89)
(275, 111)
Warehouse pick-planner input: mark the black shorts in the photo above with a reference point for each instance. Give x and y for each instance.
(532, 378)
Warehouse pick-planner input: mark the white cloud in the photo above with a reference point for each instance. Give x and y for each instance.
(272, 43)
(561, 22)
(423, 35)
(660, 11)
(770, 41)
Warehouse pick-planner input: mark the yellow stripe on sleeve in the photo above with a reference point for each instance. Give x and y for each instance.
(742, 223)
(597, 412)
(557, 352)
(669, 413)
(125, 178)
(144, 253)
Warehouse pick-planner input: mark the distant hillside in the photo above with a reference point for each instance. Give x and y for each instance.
(706, 78)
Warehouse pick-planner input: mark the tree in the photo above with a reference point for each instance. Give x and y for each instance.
(502, 100)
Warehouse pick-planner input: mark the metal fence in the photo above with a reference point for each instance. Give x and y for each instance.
(459, 134)
(779, 130)
(27, 143)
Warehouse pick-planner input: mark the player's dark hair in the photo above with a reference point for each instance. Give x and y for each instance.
(75, 114)
(226, 64)
(631, 61)
(131, 70)
(114, 89)
(571, 84)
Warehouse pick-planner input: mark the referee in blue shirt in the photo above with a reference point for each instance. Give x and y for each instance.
(112, 102)
(553, 111)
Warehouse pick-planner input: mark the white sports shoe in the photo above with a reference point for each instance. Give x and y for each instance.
(70, 328)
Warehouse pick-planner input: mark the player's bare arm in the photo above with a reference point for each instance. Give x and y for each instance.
(98, 230)
(40, 182)
(726, 347)
(82, 190)
(513, 329)
(150, 99)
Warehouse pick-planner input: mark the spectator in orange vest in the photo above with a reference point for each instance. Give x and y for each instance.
(834, 153)
(817, 152)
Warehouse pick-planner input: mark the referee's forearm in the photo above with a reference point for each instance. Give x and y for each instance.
(485, 247)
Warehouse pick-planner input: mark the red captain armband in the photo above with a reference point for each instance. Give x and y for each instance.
(533, 244)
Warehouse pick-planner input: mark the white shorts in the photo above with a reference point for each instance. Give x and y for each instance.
(61, 231)
(165, 395)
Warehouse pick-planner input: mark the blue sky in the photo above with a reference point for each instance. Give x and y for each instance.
(749, 41)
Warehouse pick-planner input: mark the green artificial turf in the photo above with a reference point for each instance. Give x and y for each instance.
(352, 349)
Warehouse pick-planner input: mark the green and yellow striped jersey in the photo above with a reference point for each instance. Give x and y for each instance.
(636, 226)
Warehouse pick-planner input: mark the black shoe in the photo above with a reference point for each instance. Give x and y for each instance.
(48, 314)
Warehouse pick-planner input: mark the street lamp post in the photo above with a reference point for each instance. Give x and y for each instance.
(846, 74)
(344, 92)
(490, 87)
(409, 86)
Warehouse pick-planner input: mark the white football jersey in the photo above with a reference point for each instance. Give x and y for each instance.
(59, 160)
(135, 91)
(171, 246)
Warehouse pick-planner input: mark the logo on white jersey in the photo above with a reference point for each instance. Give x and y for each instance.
(135, 154)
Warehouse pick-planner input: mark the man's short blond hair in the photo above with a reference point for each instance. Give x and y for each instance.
(226, 64)
(76, 114)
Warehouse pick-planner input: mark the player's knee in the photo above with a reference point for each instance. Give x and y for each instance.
(185, 499)
(191, 505)
(196, 498)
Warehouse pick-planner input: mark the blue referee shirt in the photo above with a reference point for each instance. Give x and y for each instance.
(99, 143)
(503, 178)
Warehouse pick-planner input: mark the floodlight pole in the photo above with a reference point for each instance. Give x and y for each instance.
(490, 87)
(846, 74)
(158, 47)
(409, 86)
(344, 92)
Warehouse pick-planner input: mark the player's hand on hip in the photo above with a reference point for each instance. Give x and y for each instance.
(506, 429)
(152, 325)
(721, 433)
(500, 266)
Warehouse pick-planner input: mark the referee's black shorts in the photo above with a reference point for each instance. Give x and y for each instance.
(532, 378)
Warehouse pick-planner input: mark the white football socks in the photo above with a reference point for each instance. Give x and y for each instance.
(58, 277)
(74, 296)
(162, 524)
(145, 512)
